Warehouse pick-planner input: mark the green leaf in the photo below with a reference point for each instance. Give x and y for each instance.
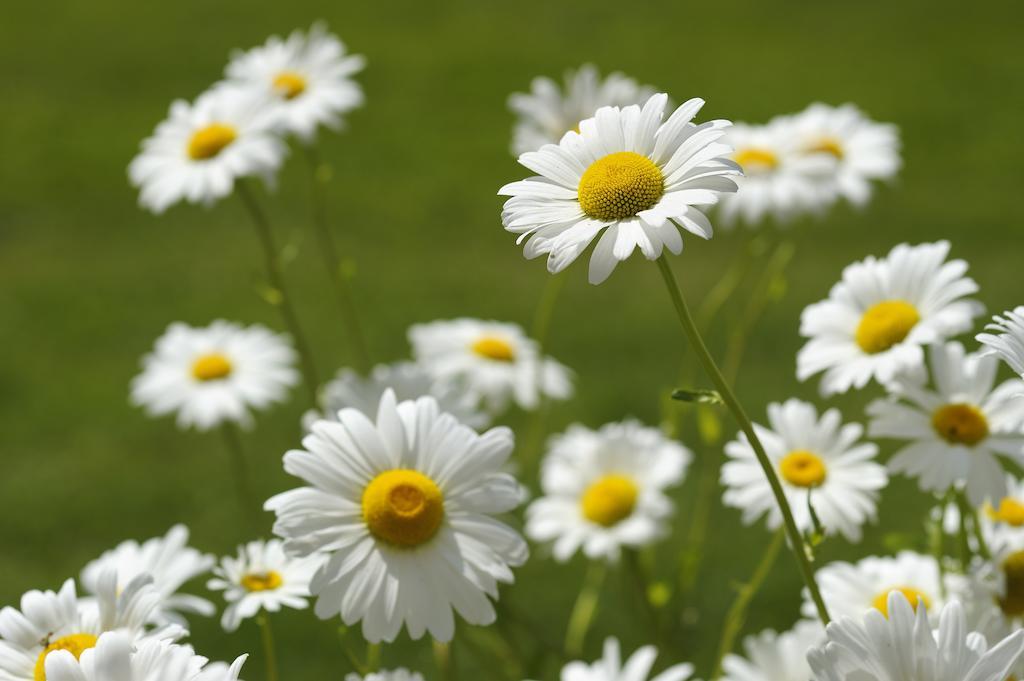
(699, 396)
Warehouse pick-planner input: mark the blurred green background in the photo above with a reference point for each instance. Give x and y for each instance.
(89, 280)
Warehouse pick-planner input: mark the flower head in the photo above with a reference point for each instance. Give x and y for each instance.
(636, 668)
(1009, 344)
(400, 674)
(772, 656)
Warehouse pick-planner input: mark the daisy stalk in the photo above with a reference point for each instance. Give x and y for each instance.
(243, 481)
(584, 609)
(269, 655)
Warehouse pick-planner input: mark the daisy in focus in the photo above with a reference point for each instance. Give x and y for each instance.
(547, 112)
(627, 175)
(309, 75)
(1008, 344)
(876, 320)
(612, 668)
(816, 458)
(262, 577)
(494, 361)
(404, 507)
(198, 153)
(771, 656)
(215, 374)
(169, 560)
(604, 490)
(395, 675)
(957, 427)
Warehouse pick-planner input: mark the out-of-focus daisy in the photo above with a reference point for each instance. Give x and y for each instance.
(994, 599)
(404, 507)
(169, 560)
(876, 320)
(209, 375)
(605, 489)
(1001, 521)
(116, 657)
(856, 148)
(547, 112)
(904, 647)
(820, 459)
(202, 148)
(1009, 343)
(636, 668)
(262, 577)
(494, 361)
(627, 175)
(956, 427)
(309, 74)
(771, 656)
(400, 674)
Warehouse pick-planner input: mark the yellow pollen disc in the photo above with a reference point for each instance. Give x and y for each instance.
(756, 160)
(403, 507)
(261, 581)
(803, 468)
(885, 324)
(620, 185)
(1012, 603)
(1009, 511)
(212, 367)
(494, 348)
(76, 644)
(289, 84)
(609, 500)
(914, 596)
(209, 141)
(960, 424)
(827, 145)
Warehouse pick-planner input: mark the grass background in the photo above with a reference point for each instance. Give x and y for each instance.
(88, 280)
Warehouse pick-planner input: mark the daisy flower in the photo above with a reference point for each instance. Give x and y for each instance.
(855, 149)
(309, 75)
(994, 598)
(262, 577)
(819, 459)
(636, 668)
(876, 320)
(775, 657)
(903, 647)
(605, 489)
(400, 674)
(494, 361)
(215, 374)
(1009, 344)
(169, 560)
(957, 428)
(202, 148)
(627, 174)
(403, 506)
(547, 112)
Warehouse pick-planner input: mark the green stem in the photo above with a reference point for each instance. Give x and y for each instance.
(443, 660)
(796, 540)
(276, 279)
(269, 656)
(353, 659)
(584, 608)
(373, 652)
(936, 543)
(642, 585)
(967, 512)
(243, 483)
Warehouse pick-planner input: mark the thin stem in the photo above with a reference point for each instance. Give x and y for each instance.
(737, 614)
(642, 585)
(936, 542)
(796, 541)
(332, 262)
(269, 656)
(373, 652)
(357, 665)
(443, 660)
(241, 475)
(583, 610)
(967, 513)
(276, 279)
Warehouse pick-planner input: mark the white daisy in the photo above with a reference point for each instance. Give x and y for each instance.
(627, 174)
(404, 507)
(309, 74)
(817, 459)
(215, 374)
(605, 489)
(262, 577)
(855, 148)
(116, 657)
(1001, 521)
(400, 674)
(876, 320)
(957, 427)
(1009, 344)
(903, 647)
(202, 148)
(775, 657)
(994, 598)
(494, 361)
(546, 112)
(169, 560)
(636, 668)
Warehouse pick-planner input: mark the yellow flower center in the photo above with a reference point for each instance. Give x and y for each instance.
(756, 160)
(620, 185)
(491, 347)
(960, 424)
(211, 367)
(290, 84)
(209, 141)
(609, 500)
(803, 468)
(1009, 511)
(76, 644)
(827, 145)
(1012, 602)
(403, 507)
(885, 324)
(912, 595)
(261, 581)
